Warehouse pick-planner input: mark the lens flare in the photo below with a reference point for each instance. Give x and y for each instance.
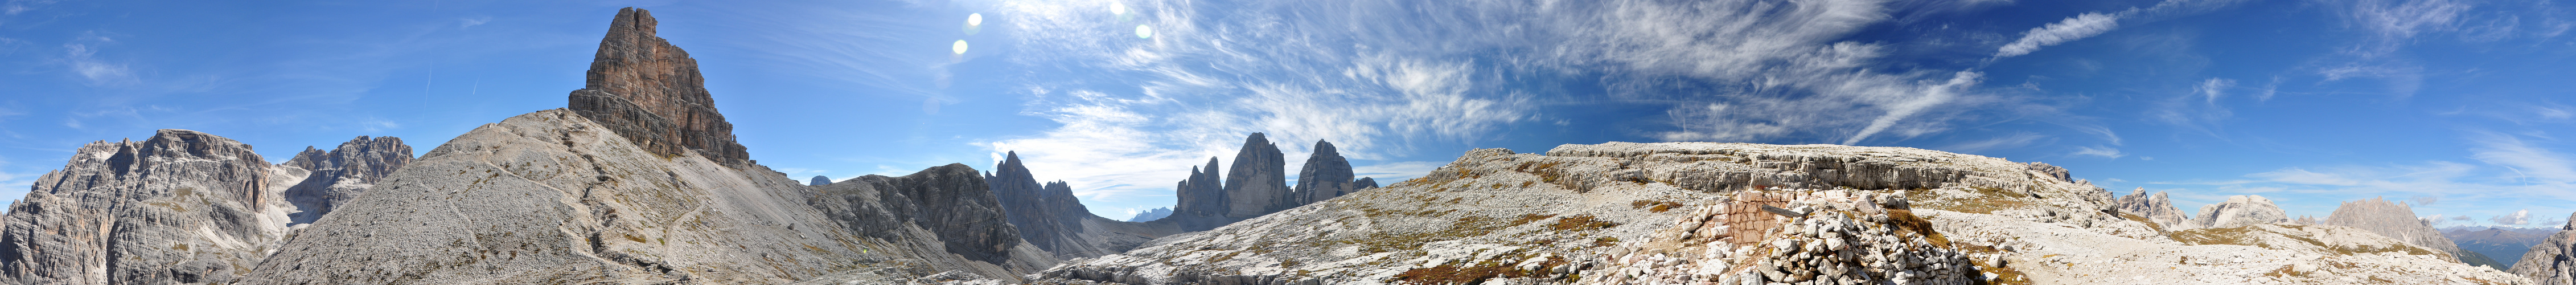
(1143, 32)
(960, 47)
(976, 19)
(1118, 8)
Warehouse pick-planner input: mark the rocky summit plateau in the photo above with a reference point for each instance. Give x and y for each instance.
(640, 180)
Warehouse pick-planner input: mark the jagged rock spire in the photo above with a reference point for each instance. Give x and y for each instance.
(1259, 183)
(649, 91)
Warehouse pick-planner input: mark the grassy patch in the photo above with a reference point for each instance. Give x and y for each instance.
(1655, 206)
(1581, 222)
(1905, 220)
(1526, 219)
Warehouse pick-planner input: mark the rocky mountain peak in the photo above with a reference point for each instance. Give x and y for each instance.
(649, 91)
(340, 174)
(180, 207)
(2397, 221)
(2156, 208)
(2238, 211)
(1259, 183)
(819, 180)
(1325, 175)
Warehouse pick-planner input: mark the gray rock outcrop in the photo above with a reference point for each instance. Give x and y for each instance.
(2552, 261)
(179, 207)
(2155, 208)
(2398, 221)
(1050, 217)
(1259, 183)
(1364, 183)
(643, 88)
(342, 173)
(819, 180)
(2238, 211)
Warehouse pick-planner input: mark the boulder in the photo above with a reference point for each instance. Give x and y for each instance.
(819, 180)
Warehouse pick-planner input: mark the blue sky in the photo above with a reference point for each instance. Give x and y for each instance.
(2461, 107)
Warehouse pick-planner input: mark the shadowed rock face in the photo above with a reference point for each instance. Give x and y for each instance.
(1049, 216)
(1259, 183)
(1202, 200)
(649, 91)
(2394, 221)
(2553, 261)
(819, 180)
(2156, 208)
(341, 174)
(1326, 175)
(180, 207)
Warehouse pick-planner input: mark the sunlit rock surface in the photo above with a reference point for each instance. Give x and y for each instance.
(179, 207)
(1688, 213)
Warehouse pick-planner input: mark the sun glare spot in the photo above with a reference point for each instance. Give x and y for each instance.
(960, 47)
(1118, 8)
(976, 19)
(1142, 32)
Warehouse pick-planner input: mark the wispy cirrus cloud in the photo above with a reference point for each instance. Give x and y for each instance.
(2091, 24)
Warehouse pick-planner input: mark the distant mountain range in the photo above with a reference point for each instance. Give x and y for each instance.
(2505, 244)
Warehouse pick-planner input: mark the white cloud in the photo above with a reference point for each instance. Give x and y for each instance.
(2522, 217)
(2095, 23)
(2078, 27)
(2530, 163)
(2105, 152)
(2214, 88)
(82, 59)
(471, 22)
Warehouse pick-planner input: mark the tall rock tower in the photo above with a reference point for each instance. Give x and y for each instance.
(649, 91)
(1259, 184)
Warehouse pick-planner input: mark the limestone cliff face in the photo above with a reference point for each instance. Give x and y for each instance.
(1202, 204)
(179, 207)
(2238, 211)
(2553, 261)
(1259, 183)
(1326, 175)
(2156, 208)
(2394, 221)
(1049, 216)
(643, 88)
(340, 174)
